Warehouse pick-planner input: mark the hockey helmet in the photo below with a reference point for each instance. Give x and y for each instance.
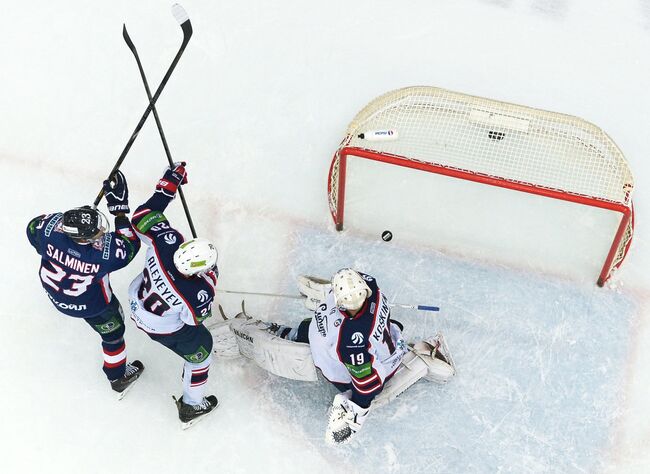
(195, 256)
(84, 223)
(350, 289)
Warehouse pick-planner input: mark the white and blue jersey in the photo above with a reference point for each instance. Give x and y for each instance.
(362, 351)
(162, 299)
(74, 274)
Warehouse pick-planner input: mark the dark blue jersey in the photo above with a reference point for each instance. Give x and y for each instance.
(169, 299)
(75, 275)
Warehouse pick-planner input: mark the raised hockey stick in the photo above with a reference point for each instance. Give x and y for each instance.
(420, 307)
(131, 46)
(184, 21)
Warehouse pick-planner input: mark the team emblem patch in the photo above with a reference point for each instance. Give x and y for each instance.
(198, 356)
(357, 338)
(108, 326)
(203, 296)
(170, 239)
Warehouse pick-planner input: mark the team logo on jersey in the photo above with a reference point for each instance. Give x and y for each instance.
(203, 296)
(170, 239)
(357, 338)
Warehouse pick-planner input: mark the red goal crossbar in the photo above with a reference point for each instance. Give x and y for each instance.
(496, 121)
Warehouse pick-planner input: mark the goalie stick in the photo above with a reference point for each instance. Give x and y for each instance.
(420, 307)
(184, 21)
(131, 46)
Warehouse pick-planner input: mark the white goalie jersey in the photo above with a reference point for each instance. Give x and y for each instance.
(364, 350)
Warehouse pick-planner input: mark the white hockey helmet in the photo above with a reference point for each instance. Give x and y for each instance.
(350, 289)
(195, 256)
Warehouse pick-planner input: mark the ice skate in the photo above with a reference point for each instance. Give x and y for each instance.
(192, 414)
(131, 375)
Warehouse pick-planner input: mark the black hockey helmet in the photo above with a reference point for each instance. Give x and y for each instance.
(84, 223)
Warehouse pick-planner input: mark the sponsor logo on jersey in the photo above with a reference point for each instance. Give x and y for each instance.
(357, 338)
(203, 296)
(170, 239)
(337, 323)
(106, 243)
(367, 277)
(68, 306)
(150, 220)
(134, 306)
(321, 322)
(74, 253)
(52, 224)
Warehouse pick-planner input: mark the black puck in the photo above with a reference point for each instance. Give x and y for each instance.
(386, 236)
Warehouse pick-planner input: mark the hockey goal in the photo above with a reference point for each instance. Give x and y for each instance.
(491, 142)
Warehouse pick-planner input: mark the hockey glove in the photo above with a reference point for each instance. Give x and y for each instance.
(173, 177)
(345, 419)
(314, 289)
(117, 194)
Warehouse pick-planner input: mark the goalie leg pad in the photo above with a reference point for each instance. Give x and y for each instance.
(435, 353)
(224, 342)
(279, 356)
(412, 369)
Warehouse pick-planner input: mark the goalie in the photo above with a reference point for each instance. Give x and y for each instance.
(355, 344)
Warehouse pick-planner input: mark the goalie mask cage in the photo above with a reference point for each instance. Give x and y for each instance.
(487, 141)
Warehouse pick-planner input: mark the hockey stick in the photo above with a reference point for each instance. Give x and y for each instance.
(420, 307)
(184, 21)
(131, 46)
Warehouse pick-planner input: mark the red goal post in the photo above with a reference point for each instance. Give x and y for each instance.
(497, 143)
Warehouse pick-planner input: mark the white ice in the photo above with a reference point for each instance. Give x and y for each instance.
(552, 370)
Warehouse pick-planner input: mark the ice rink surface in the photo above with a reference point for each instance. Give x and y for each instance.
(552, 370)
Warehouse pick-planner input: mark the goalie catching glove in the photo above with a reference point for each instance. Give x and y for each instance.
(345, 419)
(313, 289)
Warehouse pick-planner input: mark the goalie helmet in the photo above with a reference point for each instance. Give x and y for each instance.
(195, 256)
(350, 289)
(84, 223)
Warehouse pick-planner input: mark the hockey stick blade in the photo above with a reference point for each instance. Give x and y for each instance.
(180, 15)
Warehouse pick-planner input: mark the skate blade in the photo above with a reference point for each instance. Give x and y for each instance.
(188, 424)
(122, 394)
